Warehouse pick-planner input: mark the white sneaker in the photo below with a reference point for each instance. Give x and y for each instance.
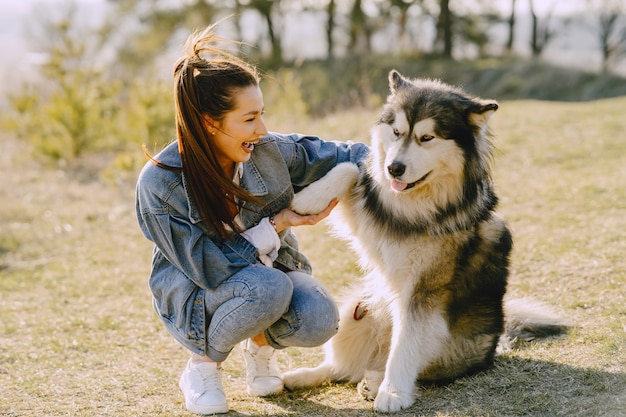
(262, 375)
(201, 384)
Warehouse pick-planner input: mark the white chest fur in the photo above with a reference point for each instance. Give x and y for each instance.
(401, 261)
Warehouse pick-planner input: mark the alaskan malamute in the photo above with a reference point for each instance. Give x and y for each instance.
(421, 217)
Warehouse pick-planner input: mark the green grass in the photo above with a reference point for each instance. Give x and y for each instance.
(78, 336)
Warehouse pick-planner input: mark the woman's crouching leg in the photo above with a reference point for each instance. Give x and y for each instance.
(312, 318)
(245, 305)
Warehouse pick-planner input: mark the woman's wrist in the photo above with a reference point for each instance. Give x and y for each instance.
(273, 222)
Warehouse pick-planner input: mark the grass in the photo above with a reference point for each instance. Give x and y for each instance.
(78, 336)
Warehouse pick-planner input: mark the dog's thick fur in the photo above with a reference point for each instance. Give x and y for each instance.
(421, 216)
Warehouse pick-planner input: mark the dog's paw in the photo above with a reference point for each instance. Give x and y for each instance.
(365, 391)
(296, 378)
(391, 399)
(368, 387)
(335, 184)
(306, 377)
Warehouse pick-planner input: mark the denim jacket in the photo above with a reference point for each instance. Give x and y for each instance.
(188, 257)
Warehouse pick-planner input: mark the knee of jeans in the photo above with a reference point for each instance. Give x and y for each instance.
(321, 324)
(275, 289)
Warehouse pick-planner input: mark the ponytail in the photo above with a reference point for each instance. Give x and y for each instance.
(206, 79)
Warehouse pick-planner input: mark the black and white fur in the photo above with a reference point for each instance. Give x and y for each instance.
(420, 214)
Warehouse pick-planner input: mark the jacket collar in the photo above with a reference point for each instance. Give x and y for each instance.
(170, 156)
(252, 180)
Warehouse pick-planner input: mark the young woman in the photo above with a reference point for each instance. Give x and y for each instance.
(226, 268)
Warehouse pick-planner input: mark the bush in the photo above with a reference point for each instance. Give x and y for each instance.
(80, 106)
(282, 94)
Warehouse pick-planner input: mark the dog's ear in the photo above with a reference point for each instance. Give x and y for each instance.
(481, 112)
(396, 81)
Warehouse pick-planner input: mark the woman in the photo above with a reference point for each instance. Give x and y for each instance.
(226, 268)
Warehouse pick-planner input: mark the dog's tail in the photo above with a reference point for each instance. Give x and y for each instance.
(528, 320)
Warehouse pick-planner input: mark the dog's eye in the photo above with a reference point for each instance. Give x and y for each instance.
(396, 132)
(426, 138)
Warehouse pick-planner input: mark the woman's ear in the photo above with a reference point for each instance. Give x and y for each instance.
(210, 125)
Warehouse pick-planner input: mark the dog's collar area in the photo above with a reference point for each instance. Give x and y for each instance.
(359, 311)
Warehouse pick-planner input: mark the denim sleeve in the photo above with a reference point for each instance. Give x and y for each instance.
(204, 261)
(311, 158)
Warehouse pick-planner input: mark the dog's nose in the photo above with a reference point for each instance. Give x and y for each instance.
(396, 168)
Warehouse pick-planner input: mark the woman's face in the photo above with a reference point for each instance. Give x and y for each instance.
(235, 135)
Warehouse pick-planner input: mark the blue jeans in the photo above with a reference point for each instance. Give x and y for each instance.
(292, 309)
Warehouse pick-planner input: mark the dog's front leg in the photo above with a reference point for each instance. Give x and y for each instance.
(416, 340)
(397, 390)
(318, 195)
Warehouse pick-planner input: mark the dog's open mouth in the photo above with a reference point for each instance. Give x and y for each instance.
(403, 186)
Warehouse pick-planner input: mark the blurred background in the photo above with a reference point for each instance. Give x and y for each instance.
(95, 75)
(84, 83)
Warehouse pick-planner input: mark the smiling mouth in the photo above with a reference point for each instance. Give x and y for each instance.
(248, 145)
(403, 186)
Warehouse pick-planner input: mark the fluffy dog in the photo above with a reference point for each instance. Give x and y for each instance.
(420, 214)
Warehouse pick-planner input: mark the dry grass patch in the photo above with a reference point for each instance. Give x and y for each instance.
(78, 336)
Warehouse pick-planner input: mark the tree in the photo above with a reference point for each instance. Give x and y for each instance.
(161, 21)
(541, 32)
(403, 6)
(79, 105)
(68, 112)
(269, 11)
(465, 24)
(330, 27)
(511, 38)
(611, 35)
(444, 28)
(140, 46)
(359, 29)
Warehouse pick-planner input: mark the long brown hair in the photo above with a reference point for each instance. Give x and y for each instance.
(206, 79)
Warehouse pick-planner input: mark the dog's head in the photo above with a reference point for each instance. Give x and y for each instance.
(431, 135)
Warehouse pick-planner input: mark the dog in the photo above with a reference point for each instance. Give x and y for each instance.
(421, 215)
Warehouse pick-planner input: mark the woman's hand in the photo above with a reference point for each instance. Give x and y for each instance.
(287, 218)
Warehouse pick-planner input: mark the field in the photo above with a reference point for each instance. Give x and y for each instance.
(78, 336)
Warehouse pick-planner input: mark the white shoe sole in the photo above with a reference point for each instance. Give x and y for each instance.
(214, 409)
(264, 392)
(203, 409)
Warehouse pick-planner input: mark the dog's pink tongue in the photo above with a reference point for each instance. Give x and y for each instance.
(398, 186)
